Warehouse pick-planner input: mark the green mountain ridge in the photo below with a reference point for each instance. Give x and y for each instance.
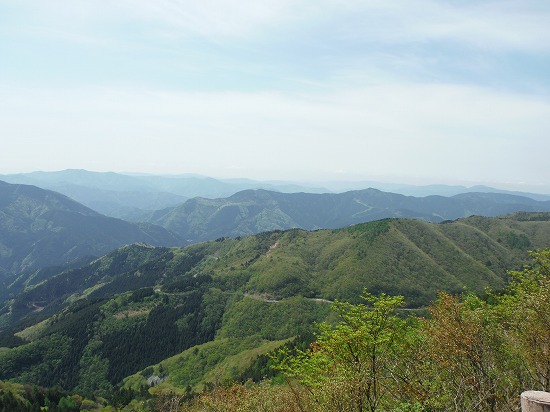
(135, 197)
(255, 211)
(131, 310)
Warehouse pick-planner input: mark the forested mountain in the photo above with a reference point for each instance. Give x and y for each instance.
(130, 197)
(188, 316)
(135, 197)
(40, 228)
(254, 211)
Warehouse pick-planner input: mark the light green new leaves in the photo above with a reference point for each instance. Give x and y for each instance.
(351, 362)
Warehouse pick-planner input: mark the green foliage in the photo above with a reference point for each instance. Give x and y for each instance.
(468, 361)
(397, 257)
(166, 330)
(370, 231)
(253, 316)
(525, 315)
(470, 354)
(264, 365)
(94, 371)
(116, 272)
(24, 398)
(353, 362)
(152, 303)
(39, 362)
(141, 294)
(516, 241)
(217, 362)
(96, 344)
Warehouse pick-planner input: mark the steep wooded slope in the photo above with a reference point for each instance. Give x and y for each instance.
(140, 305)
(40, 228)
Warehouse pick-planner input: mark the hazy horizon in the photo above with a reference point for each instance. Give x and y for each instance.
(386, 183)
(415, 92)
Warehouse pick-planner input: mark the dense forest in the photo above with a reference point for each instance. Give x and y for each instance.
(470, 353)
(144, 326)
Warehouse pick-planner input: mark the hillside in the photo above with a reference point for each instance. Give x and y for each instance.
(213, 307)
(135, 197)
(131, 197)
(40, 228)
(255, 211)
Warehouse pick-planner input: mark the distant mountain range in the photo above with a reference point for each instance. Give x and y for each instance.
(134, 197)
(254, 211)
(41, 228)
(129, 197)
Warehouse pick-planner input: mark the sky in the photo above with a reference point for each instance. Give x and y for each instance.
(410, 91)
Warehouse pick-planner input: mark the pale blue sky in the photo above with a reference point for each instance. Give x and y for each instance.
(410, 91)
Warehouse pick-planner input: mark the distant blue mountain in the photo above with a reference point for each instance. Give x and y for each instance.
(41, 228)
